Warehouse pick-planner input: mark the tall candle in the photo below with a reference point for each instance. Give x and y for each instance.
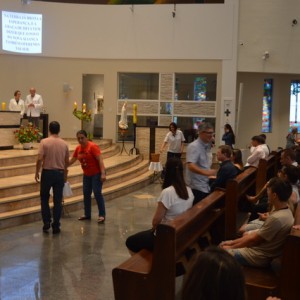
(75, 105)
(84, 107)
(3, 107)
(134, 113)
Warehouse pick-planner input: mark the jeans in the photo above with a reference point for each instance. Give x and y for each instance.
(54, 179)
(93, 184)
(199, 195)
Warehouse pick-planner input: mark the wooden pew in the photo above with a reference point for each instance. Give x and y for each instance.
(151, 276)
(251, 181)
(261, 283)
(236, 189)
(267, 168)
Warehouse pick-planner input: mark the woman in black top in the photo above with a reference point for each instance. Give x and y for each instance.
(228, 137)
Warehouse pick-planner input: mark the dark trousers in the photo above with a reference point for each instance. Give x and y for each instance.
(199, 195)
(54, 179)
(35, 121)
(141, 240)
(173, 155)
(93, 184)
(261, 207)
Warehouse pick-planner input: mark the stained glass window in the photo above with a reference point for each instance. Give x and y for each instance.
(294, 104)
(267, 106)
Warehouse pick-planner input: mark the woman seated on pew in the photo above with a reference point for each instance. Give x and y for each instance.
(289, 174)
(174, 199)
(237, 159)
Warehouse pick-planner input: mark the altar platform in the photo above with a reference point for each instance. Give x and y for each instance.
(19, 193)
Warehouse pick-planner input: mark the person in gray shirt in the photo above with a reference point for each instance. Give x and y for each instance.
(198, 162)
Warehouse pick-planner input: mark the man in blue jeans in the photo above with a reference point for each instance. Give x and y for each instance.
(53, 157)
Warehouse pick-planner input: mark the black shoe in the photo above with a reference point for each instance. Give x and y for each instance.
(55, 230)
(46, 227)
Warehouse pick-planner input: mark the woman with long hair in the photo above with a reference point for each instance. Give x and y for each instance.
(237, 159)
(174, 199)
(215, 275)
(228, 136)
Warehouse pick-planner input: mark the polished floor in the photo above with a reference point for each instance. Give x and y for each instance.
(77, 263)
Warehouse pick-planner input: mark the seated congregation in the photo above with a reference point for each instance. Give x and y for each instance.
(182, 231)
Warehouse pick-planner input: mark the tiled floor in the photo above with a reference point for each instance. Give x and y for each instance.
(77, 263)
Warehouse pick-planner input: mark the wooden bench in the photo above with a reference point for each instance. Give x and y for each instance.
(251, 181)
(261, 283)
(151, 275)
(236, 189)
(267, 168)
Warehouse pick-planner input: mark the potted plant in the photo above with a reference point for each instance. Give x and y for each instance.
(27, 134)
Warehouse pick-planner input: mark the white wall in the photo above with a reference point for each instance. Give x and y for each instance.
(266, 25)
(147, 32)
(251, 108)
(107, 39)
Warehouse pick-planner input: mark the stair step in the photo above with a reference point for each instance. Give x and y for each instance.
(17, 155)
(20, 194)
(11, 203)
(32, 214)
(22, 184)
(27, 168)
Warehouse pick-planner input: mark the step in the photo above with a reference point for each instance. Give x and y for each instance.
(23, 169)
(18, 185)
(31, 199)
(32, 214)
(19, 193)
(18, 156)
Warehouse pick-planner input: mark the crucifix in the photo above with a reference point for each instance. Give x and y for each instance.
(227, 112)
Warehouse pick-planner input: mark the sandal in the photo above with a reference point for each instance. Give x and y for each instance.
(82, 218)
(101, 220)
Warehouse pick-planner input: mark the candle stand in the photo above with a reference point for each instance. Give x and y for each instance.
(122, 134)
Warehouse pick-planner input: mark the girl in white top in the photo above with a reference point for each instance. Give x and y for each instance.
(17, 104)
(174, 199)
(175, 140)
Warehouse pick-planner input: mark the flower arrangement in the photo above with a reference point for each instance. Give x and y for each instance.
(27, 134)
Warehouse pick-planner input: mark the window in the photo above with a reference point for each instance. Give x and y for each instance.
(196, 87)
(294, 104)
(138, 86)
(267, 106)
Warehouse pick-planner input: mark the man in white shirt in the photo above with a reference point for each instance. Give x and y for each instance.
(258, 151)
(17, 104)
(265, 146)
(34, 106)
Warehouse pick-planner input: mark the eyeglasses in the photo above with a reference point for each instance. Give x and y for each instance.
(209, 132)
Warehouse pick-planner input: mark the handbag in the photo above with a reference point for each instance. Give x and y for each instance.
(67, 190)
